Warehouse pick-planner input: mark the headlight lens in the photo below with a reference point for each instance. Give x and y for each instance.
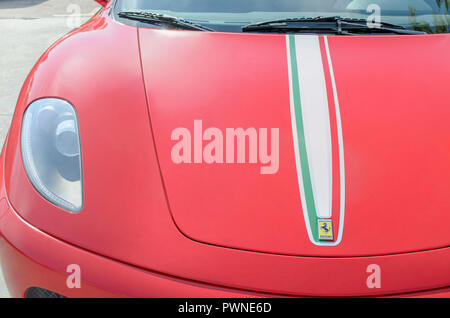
(51, 152)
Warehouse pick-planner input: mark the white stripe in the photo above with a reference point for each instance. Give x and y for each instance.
(340, 142)
(316, 120)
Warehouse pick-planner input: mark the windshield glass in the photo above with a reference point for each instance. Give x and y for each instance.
(431, 16)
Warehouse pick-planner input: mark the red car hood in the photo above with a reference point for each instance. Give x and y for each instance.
(363, 139)
(383, 157)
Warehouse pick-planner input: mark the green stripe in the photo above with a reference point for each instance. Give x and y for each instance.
(306, 174)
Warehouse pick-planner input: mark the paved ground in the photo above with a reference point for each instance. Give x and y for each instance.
(27, 29)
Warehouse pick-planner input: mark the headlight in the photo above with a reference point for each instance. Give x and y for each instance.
(51, 152)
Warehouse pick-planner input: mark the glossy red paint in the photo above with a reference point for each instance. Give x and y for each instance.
(395, 141)
(104, 3)
(135, 223)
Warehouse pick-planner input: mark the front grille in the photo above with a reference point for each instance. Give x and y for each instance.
(36, 292)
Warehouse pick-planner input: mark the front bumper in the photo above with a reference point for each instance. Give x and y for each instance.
(31, 258)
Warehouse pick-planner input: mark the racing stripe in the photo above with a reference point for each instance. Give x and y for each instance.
(339, 163)
(315, 132)
(303, 172)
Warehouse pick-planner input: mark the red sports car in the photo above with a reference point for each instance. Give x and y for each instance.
(234, 148)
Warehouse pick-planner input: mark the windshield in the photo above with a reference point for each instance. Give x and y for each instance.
(430, 16)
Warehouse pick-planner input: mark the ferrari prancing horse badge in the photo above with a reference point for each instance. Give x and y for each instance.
(325, 230)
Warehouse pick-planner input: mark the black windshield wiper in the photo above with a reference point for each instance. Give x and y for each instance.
(160, 19)
(336, 24)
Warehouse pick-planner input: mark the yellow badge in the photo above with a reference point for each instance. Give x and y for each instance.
(325, 230)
